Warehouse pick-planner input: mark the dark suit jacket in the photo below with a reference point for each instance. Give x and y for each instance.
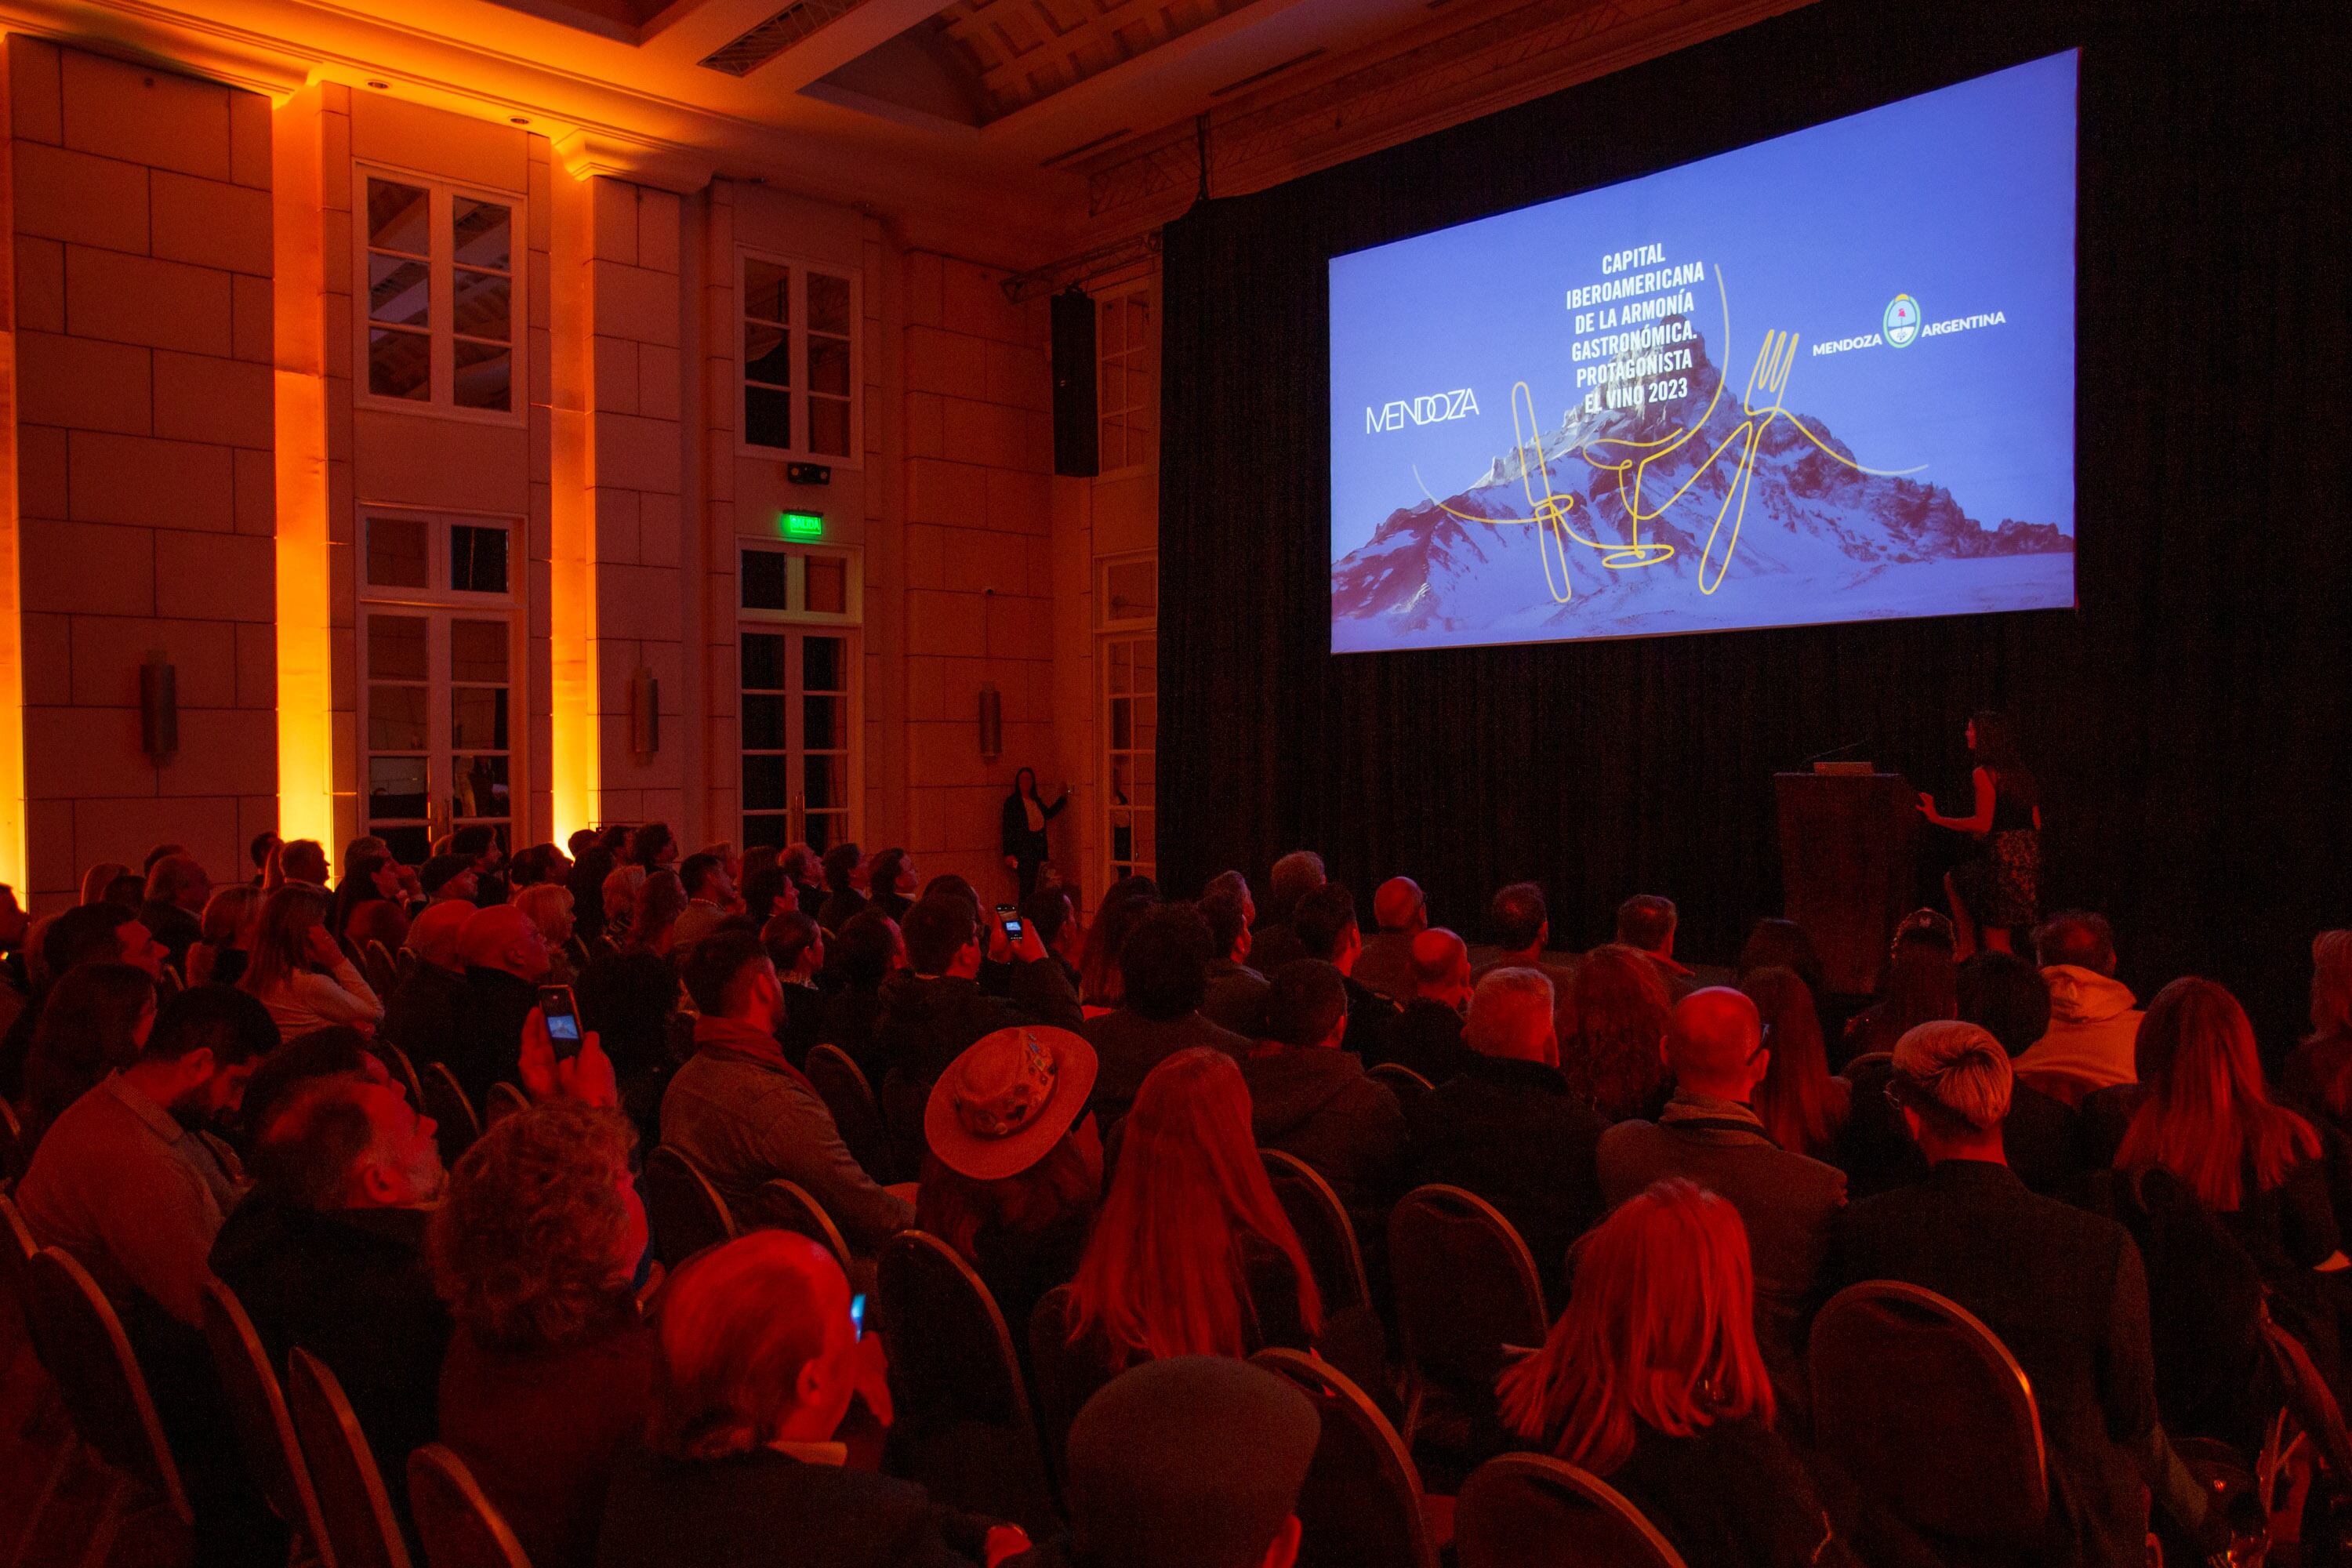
(1129, 1046)
(351, 1287)
(1427, 1038)
(489, 1047)
(2064, 1292)
(420, 1016)
(1370, 1014)
(1513, 1134)
(764, 1507)
(1785, 1200)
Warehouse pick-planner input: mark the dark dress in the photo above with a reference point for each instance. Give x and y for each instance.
(1732, 1495)
(1028, 846)
(2001, 885)
(764, 1507)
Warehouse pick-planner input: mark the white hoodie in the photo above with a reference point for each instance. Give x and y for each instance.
(2094, 1032)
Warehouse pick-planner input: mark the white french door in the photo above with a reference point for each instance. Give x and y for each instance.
(438, 713)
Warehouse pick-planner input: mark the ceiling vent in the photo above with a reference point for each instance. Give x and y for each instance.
(778, 33)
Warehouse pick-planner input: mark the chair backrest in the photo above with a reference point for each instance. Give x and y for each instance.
(81, 1344)
(1361, 1505)
(1525, 1510)
(2309, 1396)
(1403, 1082)
(955, 1379)
(1062, 1381)
(12, 1143)
(458, 1525)
(17, 1247)
(405, 960)
(446, 1102)
(383, 973)
(1324, 1229)
(403, 1070)
(1466, 1287)
(684, 1210)
(503, 1100)
(787, 1206)
(361, 1529)
(857, 1115)
(1928, 1411)
(265, 1428)
(168, 982)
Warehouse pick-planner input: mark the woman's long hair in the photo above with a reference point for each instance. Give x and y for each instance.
(1997, 753)
(661, 899)
(958, 1208)
(1922, 986)
(1614, 1018)
(1784, 944)
(1163, 1274)
(1796, 1101)
(358, 886)
(98, 879)
(2206, 1118)
(1101, 983)
(2331, 985)
(89, 1026)
(1660, 1332)
(281, 947)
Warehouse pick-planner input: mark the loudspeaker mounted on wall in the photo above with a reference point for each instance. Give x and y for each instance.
(1076, 451)
(159, 708)
(644, 713)
(991, 722)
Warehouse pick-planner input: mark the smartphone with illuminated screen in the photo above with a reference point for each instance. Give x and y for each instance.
(562, 1015)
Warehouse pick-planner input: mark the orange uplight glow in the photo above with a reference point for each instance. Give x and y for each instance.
(13, 869)
(576, 768)
(306, 739)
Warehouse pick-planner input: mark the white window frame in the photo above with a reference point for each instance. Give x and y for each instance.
(1104, 619)
(435, 602)
(850, 626)
(1143, 356)
(798, 329)
(1147, 634)
(441, 318)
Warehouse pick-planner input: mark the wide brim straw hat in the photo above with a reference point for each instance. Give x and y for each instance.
(1007, 1099)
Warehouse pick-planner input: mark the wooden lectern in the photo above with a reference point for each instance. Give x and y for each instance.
(1848, 870)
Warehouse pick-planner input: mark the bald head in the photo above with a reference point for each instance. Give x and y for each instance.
(503, 937)
(1712, 1043)
(432, 936)
(1400, 906)
(1440, 965)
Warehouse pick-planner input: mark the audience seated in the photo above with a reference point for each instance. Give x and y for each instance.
(95, 1020)
(1401, 911)
(865, 952)
(1325, 924)
(219, 954)
(549, 1376)
(548, 906)
(617, 894)
(1164, 967)
(1188, 1462)
(1049, 912)
(1610, 1021)
(1652, 1379)
(592, 862)
(1310, 1098)
(938, 1008)
(709, 896)
(763, 887)
(479, 843)
(760, 1361)
(2318, 1074)
(421, 1016)
(1802, 1108)
(506, 958)
(172, 904)
(1191, 1254)
(744, 1115)
(88, 934)
(2093, 1023)
(299, 971)
(302, 860)
(795, 945)
(449, 878)
(891, 882)
(1645, 923)
(1917, 988)
(2009, 997)
(327, 1252)
(1234, 997)
(1295, 876)
(2061, 1289)
(1101, 984)
(1708, 1133)
(652, 847)
(804, 878)
(371, 900)
(844, 881)
(1426, 1035)
(630, 997)
(1774, 944)
(1509, 1128)
(1014, 1164)
(1520, 924)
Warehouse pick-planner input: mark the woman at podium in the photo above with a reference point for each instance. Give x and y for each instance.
(1998, 890)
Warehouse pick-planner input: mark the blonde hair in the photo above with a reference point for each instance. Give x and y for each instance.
(548, 906)
(1956, 1069)
(620, 891)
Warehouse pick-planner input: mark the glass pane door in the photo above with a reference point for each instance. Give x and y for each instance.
(798, 718)
(436, 715)
(1130, 734)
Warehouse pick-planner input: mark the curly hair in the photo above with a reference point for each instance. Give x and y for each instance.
(1612, 1020)
(525, 1248)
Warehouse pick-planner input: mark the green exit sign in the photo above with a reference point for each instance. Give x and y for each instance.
(801, 524)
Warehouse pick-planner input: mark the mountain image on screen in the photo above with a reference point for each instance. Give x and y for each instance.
(1819, 540)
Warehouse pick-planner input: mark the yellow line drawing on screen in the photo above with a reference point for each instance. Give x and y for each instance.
(1776, 357)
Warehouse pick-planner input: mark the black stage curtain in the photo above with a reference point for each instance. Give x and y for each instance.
(2189, 721)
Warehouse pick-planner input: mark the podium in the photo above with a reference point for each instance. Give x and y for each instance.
(1848, 866)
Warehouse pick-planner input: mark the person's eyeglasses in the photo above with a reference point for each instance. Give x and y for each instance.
(1763, 1040)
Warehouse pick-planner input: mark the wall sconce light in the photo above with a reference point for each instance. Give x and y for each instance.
(644, 713)
(991, 722)
(159, 708)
